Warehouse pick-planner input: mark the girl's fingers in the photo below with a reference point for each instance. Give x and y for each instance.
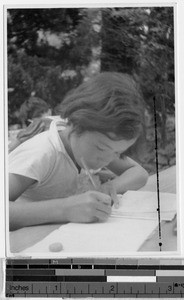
(109, 189)
(101, 216)
(101, 197)
(103, 208)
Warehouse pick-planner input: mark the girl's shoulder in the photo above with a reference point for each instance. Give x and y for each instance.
(34, 158)
(36, 146)
(46, 144)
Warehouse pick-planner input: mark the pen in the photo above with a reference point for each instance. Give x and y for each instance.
(88, 173)
(112, 189)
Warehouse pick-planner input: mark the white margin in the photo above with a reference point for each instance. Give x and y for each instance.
(2, 161)
(179, 91)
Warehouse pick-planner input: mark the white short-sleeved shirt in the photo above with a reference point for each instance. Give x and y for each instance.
(45, 159)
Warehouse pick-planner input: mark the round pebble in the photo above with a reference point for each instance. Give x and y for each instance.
(56, 247)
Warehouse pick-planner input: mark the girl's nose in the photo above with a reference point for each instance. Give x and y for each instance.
(116, 155)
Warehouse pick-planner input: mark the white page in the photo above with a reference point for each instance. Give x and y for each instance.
(114, 236)
(117, 235)
(141, 204)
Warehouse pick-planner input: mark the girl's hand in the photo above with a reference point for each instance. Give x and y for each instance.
(109, 189)
(88, 207)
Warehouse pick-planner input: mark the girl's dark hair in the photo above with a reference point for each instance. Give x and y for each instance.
(108, 103)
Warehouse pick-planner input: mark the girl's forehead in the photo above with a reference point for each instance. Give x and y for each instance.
(108, 143)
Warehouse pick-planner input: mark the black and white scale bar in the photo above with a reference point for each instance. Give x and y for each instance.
(69, 266)
(56, 278)
(93, 278)
(82, 272)
(68, 289)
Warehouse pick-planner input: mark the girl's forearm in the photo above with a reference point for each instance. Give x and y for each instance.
(86, 207)
(37, 213)
(132, 179)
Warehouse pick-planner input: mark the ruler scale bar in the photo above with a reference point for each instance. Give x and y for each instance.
(93, 288)
(94, 278)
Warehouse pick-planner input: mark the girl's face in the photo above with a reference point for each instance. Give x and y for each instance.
(96, 149)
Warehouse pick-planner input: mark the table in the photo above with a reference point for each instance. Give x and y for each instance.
(28, 236)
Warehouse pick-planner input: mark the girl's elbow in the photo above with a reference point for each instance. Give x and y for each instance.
(145, 175)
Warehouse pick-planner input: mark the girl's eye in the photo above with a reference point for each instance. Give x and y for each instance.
(100, 149)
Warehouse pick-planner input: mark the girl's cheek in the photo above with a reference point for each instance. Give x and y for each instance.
(103, 161)
(86, 153)
(89, 158)
(107, 157)
(95, 159)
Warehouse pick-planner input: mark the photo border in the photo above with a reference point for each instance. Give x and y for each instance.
(178, 113)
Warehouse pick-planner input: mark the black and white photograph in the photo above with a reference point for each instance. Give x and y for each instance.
(91, 118)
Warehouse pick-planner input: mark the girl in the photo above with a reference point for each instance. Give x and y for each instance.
(33, 113)
(104, 118)
(33, 108)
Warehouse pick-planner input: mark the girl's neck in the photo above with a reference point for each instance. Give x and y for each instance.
(65, 137)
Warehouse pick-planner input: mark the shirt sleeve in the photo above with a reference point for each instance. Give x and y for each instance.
(33, 159)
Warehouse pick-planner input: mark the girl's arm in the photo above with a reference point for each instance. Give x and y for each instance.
(130, 175)
(28, 213)
(88, 207)
(17, 185)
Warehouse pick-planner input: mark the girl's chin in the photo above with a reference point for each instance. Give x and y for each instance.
(97, 166)
(93, 166)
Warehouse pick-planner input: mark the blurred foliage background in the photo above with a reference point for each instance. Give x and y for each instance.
(51, 51)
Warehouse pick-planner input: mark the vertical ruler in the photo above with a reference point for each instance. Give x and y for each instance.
(94, 278)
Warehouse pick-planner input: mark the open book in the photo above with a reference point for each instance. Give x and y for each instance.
(145, 205)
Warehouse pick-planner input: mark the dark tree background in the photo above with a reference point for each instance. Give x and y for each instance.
(50, 51)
